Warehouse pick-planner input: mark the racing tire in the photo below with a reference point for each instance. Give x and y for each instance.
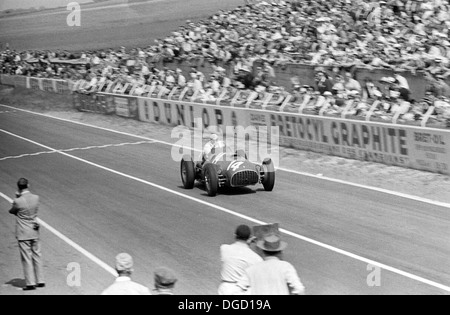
(211, 180)
(187, 171)
(269, 175)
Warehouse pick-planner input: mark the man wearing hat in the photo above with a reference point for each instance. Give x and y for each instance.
(272, 276)
(236, 258)
(123, 284)
(164, 281)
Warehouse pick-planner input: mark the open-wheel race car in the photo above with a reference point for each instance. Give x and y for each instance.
(227, 169)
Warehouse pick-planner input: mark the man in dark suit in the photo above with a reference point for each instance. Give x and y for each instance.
(25, 207)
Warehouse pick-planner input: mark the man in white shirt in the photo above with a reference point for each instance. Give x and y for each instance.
(272, 276)
(236, 258)
(181, 79)
(170, 78)
(351, 84)
(123, 284)
(402, 81)
(197, 84)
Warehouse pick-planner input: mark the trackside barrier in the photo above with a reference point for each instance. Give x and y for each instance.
(124, 106)
(41, 84)
(108, 104)
(406, 146)
(92, 103)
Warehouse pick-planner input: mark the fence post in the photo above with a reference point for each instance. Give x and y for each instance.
(372, 109)
(427, 116)
(347, 108)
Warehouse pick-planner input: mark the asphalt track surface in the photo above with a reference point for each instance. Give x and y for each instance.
(123, 23)
(128, 197)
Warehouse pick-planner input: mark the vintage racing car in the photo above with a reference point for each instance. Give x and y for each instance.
(227, 169)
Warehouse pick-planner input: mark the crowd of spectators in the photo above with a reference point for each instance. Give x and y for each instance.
(251, 265)
(341, 95)
(397, 35)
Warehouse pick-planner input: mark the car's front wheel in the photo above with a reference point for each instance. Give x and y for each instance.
(269, 175)
(211, 180)
(188, 173)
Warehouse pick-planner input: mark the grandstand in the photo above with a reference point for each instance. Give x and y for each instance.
(271, 55)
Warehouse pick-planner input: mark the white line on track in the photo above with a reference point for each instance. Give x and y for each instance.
(250, 219)
(381, 190)
(76, 149)
(71, 243)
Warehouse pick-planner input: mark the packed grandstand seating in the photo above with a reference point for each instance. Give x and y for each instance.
(245, 46)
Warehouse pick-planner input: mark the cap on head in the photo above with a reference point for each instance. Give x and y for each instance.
(124, 262)
(164, 277)
(214, 137)
(243, 232)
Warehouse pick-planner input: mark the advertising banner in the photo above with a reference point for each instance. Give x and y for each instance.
(415, 147)
(174, 113)
(122, 109)
(124, 106)
(431, 149)
(84, 102)
(92, 103)
(103, 103)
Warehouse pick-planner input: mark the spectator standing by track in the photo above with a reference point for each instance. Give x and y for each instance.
(165, 280)
(273, 276)
(236, 258)
(25, 207)
(123, 284)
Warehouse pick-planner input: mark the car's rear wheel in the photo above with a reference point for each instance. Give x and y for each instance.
(269, 175)
(211, 180)
(188, 174)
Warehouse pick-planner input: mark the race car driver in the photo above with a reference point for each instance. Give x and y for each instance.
(211, 146)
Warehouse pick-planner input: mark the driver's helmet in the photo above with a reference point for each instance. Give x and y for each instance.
(213, 138)
(216, 144)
